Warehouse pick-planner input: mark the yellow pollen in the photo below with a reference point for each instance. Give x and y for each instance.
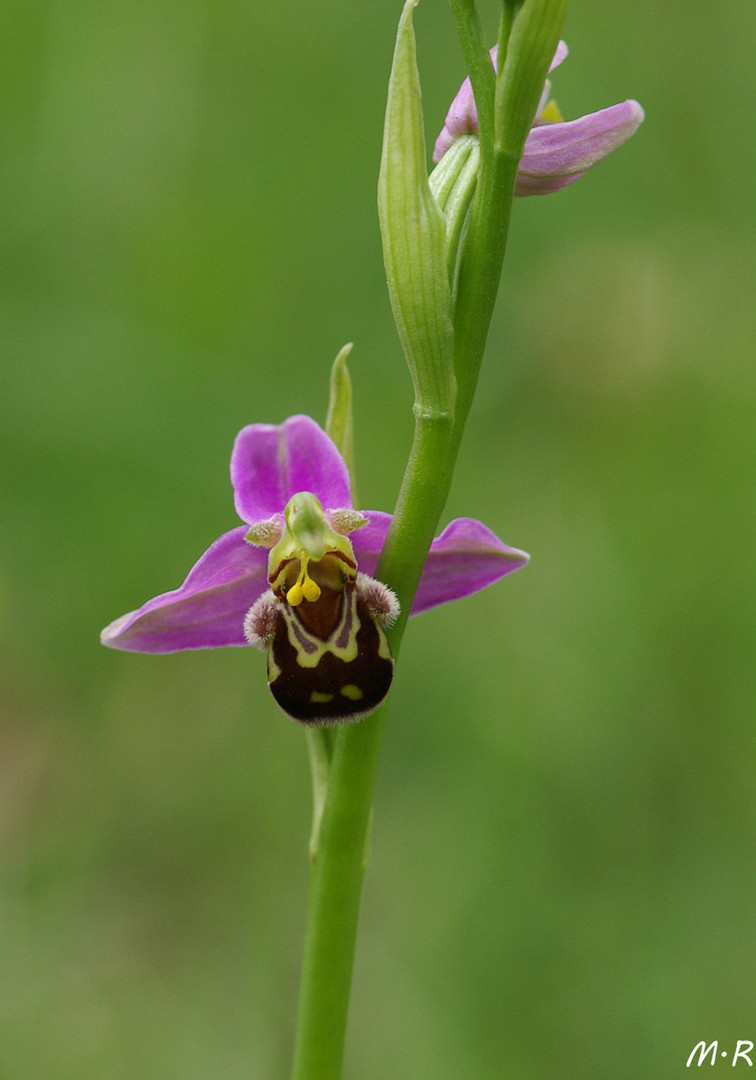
(310, 589)
(551, 113)
(304, 588)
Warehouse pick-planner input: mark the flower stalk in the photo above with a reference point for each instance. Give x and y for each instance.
(336, 877)
(338, 868)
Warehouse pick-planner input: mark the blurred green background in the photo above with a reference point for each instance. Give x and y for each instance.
(563, 877)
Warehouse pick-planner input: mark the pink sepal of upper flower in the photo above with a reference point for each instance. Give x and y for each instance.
(269, 465)
(556, 152)
(462, 117)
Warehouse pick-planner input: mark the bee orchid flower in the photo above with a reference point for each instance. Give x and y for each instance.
(296, 579)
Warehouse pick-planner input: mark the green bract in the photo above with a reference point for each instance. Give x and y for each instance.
(413, 230)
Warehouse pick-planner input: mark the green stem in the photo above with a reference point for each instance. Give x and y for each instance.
(478, 64)
(480, 272)
(340, 853)
(335, 889)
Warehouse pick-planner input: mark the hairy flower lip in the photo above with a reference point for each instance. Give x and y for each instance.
(556, 153)
(269, 464)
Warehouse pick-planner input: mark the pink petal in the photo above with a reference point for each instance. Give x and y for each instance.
(464, 559)
(561, 54)
(369, 540)
(207, 611)
(558, 154)
(270, 463)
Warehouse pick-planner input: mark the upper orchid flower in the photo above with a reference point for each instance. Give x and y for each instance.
(557, 152)
(288, 581)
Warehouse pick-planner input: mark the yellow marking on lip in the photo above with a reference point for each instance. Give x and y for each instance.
(316, 698)
(352, 692)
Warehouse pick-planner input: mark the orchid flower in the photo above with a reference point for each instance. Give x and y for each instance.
(288, 582)
(557, 151)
